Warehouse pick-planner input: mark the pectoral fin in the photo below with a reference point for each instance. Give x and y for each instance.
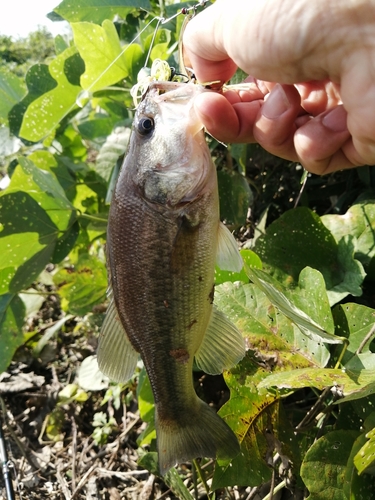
(117, 358)
(222, 347)
(228, 256)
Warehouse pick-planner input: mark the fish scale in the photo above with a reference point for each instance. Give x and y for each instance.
(164, 233)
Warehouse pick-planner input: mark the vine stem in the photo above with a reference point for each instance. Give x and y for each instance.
(92, 217)
(277, 488)
(162, 8)
(201, 477)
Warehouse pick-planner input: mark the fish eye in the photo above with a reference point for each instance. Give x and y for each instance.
(145, 125)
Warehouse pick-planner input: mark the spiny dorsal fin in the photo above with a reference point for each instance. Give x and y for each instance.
(117, 358)
(228, 256)
(222, 347)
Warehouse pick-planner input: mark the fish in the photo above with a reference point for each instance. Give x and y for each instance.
(164, 237)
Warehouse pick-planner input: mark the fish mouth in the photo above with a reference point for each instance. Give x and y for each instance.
(164, 93)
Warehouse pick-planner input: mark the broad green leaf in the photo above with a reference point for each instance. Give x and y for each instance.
(90, 378)
(146, 406)
(356, 323)
(306, 306)
(145, 397)
(98, 126)
(306, 377)
(358, 486)
(60, 44)
(34, 216)
(23, 257)
(354, 274)
(249, 257)
(45, 113)
(364, 459)
(38, 81)
(113, 148)
(66, 242)
(12, 312)
(299, 239)
(325, 464)
(105, 60)
(83, 286)
(352, 384)
(172, 478)
(249, 415)
(359, 222)
(12, 89)
(235, 198)
(50, 332)
(240, 152)
(97, 11)
(47, 161)
(44, 188)
(32, 301)
(276, 341)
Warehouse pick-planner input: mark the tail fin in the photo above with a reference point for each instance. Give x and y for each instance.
(201, 434)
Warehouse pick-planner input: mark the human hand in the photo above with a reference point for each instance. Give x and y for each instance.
(328, 122)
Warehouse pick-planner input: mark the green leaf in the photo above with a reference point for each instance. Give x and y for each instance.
(354, 274)
(45, 112)
(364, 459)
(90, 378)
(97, 11)
(306, 306)
(274, 338)
(299, 239)
(32, 301)
(249, 257)
(34, 215)
(235, 198)
(12, 89)
(172, 479)
(60, 44)
(105, 60)
(324, 466)
(66, 242)
(356, 323)
(145, 397)
(12, 313)
(249, 415)
(47, 161)
(45, 183)
(49, 333)
(83, 286)
(356, 486)
(359, 222)
(146, 406)
(99, 126)
(353, 384)
(38, 81)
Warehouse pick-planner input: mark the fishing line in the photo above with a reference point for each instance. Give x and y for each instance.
(87, 94)
(161, 21)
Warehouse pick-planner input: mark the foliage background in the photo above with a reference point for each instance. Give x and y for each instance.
(301, 402)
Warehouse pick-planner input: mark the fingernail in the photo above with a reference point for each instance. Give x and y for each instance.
(276, 104)
(335, 120)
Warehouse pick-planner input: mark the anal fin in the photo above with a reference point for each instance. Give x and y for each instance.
(117, 358)
(222, 346)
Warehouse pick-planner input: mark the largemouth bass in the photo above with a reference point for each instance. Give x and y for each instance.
(164, 236)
